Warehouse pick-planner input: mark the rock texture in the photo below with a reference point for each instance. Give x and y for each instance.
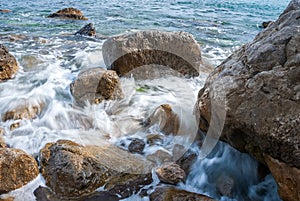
(72, 170)
(170, 173)
(261, 85)
(8, 64)
(172, 194)
(136, 146)
(95, 85)
(69, 13)
(87, 30)
(16, 169)
(178, 51)
(2, 142)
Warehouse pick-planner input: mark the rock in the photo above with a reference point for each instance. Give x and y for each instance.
(186, 161)
(159, 157)
(154, 139)
(225, 185)
(7, 199)
(8, 64)
(2, 142)
(136, 146)
(87, 30)
(5, 11)
(266, 24)
(287, 178)
(69, 13)
(95, 85)
(171, 173)
(25, 111)
(172, 194)
(260, 83)
(16, 169)
(165, 117)
(45, 194)
(72, 170)
(178, 51)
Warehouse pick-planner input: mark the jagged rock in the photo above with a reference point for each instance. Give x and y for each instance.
(72, 170)
(95, 85)
(136, 146)
(16, 169)
(69, 13)
(165, 117)
(266, 24)
(8, 64)
(260, 83)
(178, 51)
(170, 194)
(87, 30)
(170, 173)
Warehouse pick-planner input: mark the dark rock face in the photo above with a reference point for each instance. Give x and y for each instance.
(262, 91)
(178, 51)
(136, 146)
(87, 30)
(266, 24)
(171, 173)
(8, 64)
(16, 169)
(69, 13)
(170, 194)
(95, 85)
(72, 170)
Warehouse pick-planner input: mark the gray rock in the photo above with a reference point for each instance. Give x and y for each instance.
(87, 30)
(178, 51)
(136, 146)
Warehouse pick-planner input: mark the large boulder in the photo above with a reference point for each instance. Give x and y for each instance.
(16, 169)
(261, 87)
(72, 170)
(95, 85)
(8, 64)
(178, 51)
(68, 13)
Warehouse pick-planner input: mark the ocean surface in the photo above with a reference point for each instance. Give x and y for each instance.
(50, 57)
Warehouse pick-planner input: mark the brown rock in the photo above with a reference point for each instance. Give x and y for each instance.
(136, 146)
(87, 30)
(16, 169)
(2, 142)
(178, 51)
(7, 199)
(95, 85)
(8, 64)
(173, 194)
(165, 117)
(287, 178)
(154, 139)
(5, 11)
(69, 13)
(171, 173)
(159, 157)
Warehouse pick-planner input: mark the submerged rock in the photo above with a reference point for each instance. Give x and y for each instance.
(170, 194)
(16, 169)
(178, 51)
(8, 64)
(261, 85)
(170, 173)
(5, 11)
(95, 85)
(72, 170)
(87, 30)
(69, 13)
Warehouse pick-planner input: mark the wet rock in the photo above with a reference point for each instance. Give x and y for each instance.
(7, 199)
(154, 139)
(2, 142)
(5, 11)
(87, 30)
(95, 85)
(266, 24)
(69, 13)
(165, 117)
(260, 83)
(178, 51)
(159, 157)
(186, 161)
(225, 185)
(30, 62)
(16, 169)
(24, 111)
(72, 170)
(136, 146)
(171, 173)
(170, 193)
(8, 64)
(287, 178)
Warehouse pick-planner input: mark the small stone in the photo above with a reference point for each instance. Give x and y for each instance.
(171, 173)
(154, 139)
(136, 146)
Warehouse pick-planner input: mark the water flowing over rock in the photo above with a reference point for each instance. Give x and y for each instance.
(95, 85)
(262, 89)
(178, 51)
(87, 30)
(69, 13)
(72, 170)
(170, 193)
(171, 173)
(8, 64)
(16, 169)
